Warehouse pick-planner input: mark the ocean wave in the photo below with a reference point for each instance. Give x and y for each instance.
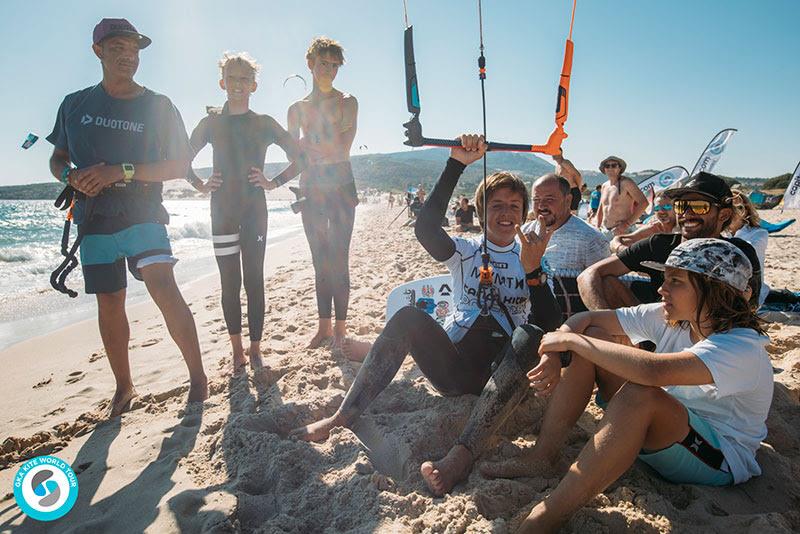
(15, 255)
(191, 230)
(40, 252)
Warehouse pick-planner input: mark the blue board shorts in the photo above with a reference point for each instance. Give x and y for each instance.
(695, 460)
(103, 255)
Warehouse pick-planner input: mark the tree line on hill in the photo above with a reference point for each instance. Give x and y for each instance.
(397, 171)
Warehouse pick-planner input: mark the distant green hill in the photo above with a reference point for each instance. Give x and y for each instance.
(397, 170)
(778, 182)
(45, 191)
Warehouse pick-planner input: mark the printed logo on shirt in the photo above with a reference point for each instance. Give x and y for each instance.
(113, 124)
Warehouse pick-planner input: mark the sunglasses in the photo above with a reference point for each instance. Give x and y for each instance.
(698, 207)
(611, 165)
(665, 207)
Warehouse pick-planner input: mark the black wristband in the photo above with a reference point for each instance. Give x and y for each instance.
(565, 357)
(536, 273)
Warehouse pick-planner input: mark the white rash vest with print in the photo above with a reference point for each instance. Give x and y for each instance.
(509, 281)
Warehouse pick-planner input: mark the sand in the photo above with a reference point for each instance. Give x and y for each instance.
(225, 465)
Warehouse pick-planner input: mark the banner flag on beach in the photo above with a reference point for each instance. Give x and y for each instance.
(662, 180)
(713, 152)
(791, 198)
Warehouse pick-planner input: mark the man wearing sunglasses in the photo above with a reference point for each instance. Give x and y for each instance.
(703, 208)
(621, 200)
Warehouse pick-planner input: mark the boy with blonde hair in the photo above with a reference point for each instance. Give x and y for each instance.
(240, 138)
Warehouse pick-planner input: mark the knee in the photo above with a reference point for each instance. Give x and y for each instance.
(525, 345)
(597, 333)
(108, 302)
(637, 397)
(405, 319)
(586, 278)
(254, 280)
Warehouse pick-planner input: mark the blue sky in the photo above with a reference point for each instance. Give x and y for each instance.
(652, 81)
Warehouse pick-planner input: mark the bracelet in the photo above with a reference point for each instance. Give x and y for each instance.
(65, 174)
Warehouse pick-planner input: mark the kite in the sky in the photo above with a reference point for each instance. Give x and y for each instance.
(29, 141)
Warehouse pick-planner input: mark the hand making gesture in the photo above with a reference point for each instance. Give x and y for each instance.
(534, 245)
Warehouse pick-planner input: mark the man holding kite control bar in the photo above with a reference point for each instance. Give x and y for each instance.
(479, 353)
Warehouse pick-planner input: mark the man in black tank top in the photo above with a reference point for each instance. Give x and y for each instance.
(240, 138)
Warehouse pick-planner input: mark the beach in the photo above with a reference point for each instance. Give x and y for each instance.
(226, 465)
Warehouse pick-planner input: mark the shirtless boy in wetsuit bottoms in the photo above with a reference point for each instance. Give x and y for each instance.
(621, 200)
(327, 119)
(240, 138)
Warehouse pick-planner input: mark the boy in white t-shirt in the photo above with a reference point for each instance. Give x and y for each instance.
(695, 410)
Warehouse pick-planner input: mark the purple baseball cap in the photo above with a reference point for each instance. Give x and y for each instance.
(113, 27)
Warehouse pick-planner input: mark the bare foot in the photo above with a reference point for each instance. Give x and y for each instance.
(541, 520)
(254, 354)
(239, 361)
(121, 402)
(320, 339)
(529, 464)
(198, 390)
(355, 350)
(318, 431)
(441, 476)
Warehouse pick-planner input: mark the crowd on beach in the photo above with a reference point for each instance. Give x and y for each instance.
(542, 301)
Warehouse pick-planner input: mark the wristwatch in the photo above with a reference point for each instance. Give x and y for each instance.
(536, 277)
(128, 171)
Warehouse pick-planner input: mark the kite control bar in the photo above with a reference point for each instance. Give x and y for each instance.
(552, 147)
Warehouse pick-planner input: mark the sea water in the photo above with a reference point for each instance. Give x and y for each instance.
(30, 248)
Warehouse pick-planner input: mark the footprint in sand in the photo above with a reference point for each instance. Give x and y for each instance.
(82, 467)
(151, 342)
(96, 356)
(42, 383)
(75, 376)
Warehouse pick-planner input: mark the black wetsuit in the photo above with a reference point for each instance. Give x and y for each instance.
(576, 198)
(485, 360)
(239, 208)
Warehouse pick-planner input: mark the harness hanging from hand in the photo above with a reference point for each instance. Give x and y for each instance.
(66, 201)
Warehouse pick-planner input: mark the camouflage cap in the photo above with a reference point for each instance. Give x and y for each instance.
(715, 258)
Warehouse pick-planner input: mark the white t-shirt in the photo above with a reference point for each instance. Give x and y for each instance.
(757, 237)
(573, 247)
(737, 403)
(509, 279)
